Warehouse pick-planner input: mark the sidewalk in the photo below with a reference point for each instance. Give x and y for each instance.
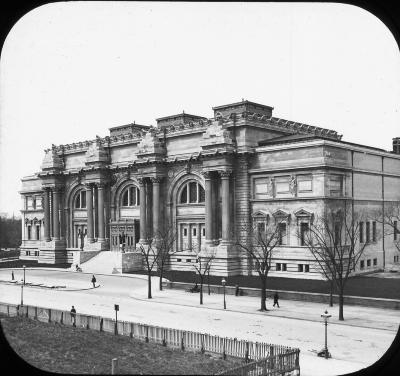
(358, 316)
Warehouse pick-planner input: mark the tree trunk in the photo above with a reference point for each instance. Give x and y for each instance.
(208, 282)
(161, 277)
(341, 303)
(331, 293)
(263, 292)
(149, 285)
(201, 290)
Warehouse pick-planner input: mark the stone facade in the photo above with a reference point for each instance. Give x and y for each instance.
(206, 177)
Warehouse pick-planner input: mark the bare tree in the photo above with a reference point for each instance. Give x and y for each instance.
(165, 241)
(204, 260)
(259, 242)
(150, 255)
(333, 240)
(390, 218)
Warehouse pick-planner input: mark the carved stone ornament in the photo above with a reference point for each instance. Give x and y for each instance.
(270, 187)
(96, 153)
(293, 185)
(225, 173)
(51, 160)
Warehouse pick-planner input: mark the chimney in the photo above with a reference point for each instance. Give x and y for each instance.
(396, 145)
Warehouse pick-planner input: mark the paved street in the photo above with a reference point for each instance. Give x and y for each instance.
(355, 343)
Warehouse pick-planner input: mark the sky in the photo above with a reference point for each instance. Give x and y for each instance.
(71, 70)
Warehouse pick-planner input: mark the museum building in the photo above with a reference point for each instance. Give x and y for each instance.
(206, 177)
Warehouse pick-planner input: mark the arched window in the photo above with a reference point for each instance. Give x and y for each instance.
(192, 193)
(80, 200)
(130, 196)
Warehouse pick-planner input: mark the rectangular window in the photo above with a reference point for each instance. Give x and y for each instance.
(29, 232)
(83, 199)
(284, 267)
(192, 192)
(38, 203)
(194, 231)
(375, 262)
(300, 267)
(36, 253)
(188, 260)
(282, 234)
(374, 231)
(303, 233)
(307, 268)
(178, 260)
(367, 232)
(335, 185)
(361, 228)
(282, 186)
(184, 231)
(362, 264)
(260, 188)
(38, 232)
(337, 233)
(260, 227)
(368, 263)
(304, 183)
(278, 267)
(28, 253)
(204, 232)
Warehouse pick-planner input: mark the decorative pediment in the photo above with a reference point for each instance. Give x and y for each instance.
(281, 214)
(303, 213)
(260, 214)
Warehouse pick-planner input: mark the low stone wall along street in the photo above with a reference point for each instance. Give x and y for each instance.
(296, 295)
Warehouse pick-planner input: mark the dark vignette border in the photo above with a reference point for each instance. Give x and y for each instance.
(387, 11)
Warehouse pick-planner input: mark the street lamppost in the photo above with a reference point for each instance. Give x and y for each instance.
(24, 273)
(223, 284)
(22, 295)
(324, 352)
(116, 307)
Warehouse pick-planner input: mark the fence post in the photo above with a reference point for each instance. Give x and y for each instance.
(87, 322)
(223, 351)
(131, 332)
(8, 310)
(147, 333)
(49, 315)
(202, 344)
(62, 318)
(114, 366)
(164, 342)
(101, 324)
(246, 357)
(182, 344)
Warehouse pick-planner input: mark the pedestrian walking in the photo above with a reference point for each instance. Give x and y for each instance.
(73, 316)
(276, 298)
(12, 275)
(94, 281)
(237, 291)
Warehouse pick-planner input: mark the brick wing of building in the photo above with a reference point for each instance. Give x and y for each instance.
(206, 177)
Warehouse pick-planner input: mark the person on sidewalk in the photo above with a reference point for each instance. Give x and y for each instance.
(12, 275)
(73, 316)
(94, 281)
(276, 298)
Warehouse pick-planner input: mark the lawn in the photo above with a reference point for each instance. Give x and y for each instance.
(30, 264)
(63, 349)
(13, 253)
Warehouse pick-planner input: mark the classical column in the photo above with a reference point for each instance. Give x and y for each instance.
(100, 211)
(89, 208)
(209, 206)
(56, 220)
(226, 210)
(156, 205)
(143, 224)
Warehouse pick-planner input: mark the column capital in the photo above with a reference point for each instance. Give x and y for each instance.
(141, 180)
(225, 174)
(101, 185)
(156, 179)
(206, 174)
(88, 186)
